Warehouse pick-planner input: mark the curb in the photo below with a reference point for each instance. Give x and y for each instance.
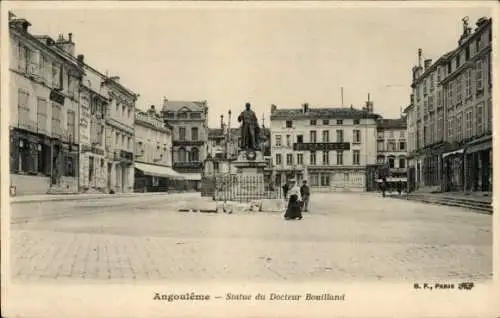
(474, 208)
(73, 197)
(197, 210)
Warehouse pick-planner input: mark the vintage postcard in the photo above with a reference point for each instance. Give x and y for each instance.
(248, 159)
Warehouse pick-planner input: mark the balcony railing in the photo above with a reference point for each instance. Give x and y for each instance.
(188, 142)
(126, 155)
(188, 164)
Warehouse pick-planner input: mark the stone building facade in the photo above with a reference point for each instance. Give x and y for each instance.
(450, 115)
(94, 105)
(44, 100)
(330, 147)
(392, 147)
(189, 121)
(119, 136)
(153, 153)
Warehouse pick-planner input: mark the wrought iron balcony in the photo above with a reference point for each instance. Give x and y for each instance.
(188, 142)
(126, 155)
(188, 165)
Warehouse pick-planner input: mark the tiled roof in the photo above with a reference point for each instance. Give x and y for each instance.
(325, 112)
(176, 105)
(397, 123)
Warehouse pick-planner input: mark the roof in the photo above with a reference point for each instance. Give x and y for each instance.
(390, 123)
(176, 105)
(325, 112)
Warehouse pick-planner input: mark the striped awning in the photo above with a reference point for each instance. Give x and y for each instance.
(158, 171)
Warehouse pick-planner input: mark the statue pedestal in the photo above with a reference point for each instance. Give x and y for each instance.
(249, 182)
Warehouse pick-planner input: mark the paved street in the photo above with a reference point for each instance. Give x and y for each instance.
(346, 237)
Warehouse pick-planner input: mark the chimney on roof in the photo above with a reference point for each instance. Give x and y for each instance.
(222, 121)
(305, 107)
(80, 58)
(20, 24)
(273, 108)
(427, 63)
(115, 79)
(152, 110)
(419, 58)
(369, 105)
(66, 45)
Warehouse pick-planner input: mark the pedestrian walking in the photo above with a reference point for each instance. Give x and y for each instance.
(305, 193)
(285, 190)
(293, 210)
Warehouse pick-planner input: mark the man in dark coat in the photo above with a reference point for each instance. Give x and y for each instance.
(250, 129)
(304, 193)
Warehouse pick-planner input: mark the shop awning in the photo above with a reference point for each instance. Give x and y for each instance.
(480, 147)
(192, 176)
(158, 171)
(456, 152)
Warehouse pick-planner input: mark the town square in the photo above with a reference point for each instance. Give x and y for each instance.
(258, 144)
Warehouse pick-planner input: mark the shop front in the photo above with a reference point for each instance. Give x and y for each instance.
(479, 165)
(453, 170)
(155, 178)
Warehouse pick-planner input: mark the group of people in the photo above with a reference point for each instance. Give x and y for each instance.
(297, 198)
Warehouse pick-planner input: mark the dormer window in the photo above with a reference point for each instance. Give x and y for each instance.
(182, 115)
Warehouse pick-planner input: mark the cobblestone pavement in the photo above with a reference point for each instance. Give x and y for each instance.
(346, 237)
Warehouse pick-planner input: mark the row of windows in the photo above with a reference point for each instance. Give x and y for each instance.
(312, 158)
(314, 122)
(356, 139)
(25, 120)
(391, 146)
(35, 63)
(183, 115)
(194, 133)
(381, 134)
(188, 156)
(391, 161)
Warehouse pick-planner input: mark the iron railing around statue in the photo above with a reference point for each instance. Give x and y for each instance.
(242, 188)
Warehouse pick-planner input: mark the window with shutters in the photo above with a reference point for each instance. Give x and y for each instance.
(23, 109)
(278, 159)
(300, 159)
(325, 180)
(326, 136)
(312, 136)
(468, 124)
(312, 158)
(340, 157)
(41, 116)
(326, 157)
(459, 90)
(449, 101)
(355, 157)
(194, 133)
(288, 141)
(182, 133)
(479, 119)
(479, 75)
(340, 135)
(56, 120)
(289, 159)
(468, 83)
(489, 114)
(278, 140)
(71, 126)
(56, 80)
(24, 57)
(356, 136)
(431, 82)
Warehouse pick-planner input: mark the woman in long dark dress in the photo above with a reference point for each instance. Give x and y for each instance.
(294, 208)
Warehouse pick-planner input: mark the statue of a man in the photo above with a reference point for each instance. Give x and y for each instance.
(249, 129)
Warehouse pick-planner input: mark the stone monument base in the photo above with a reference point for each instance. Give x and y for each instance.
(249, 182)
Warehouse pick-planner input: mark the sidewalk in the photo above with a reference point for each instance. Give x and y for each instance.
(81, 196)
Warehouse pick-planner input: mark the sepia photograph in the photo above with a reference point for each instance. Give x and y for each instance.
(247, 143)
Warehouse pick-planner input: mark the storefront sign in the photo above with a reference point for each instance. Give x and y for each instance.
(322, 146)
(84, 121)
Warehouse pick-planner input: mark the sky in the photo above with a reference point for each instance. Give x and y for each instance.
(263, 54)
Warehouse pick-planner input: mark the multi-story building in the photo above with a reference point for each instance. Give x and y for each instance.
(94, 105)
(119, 136)
(392, 146)
(153, 153)
(467, 86)
(427, 121)
(44, 88)
(330, 147)
(449, 117)
(189, 120)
